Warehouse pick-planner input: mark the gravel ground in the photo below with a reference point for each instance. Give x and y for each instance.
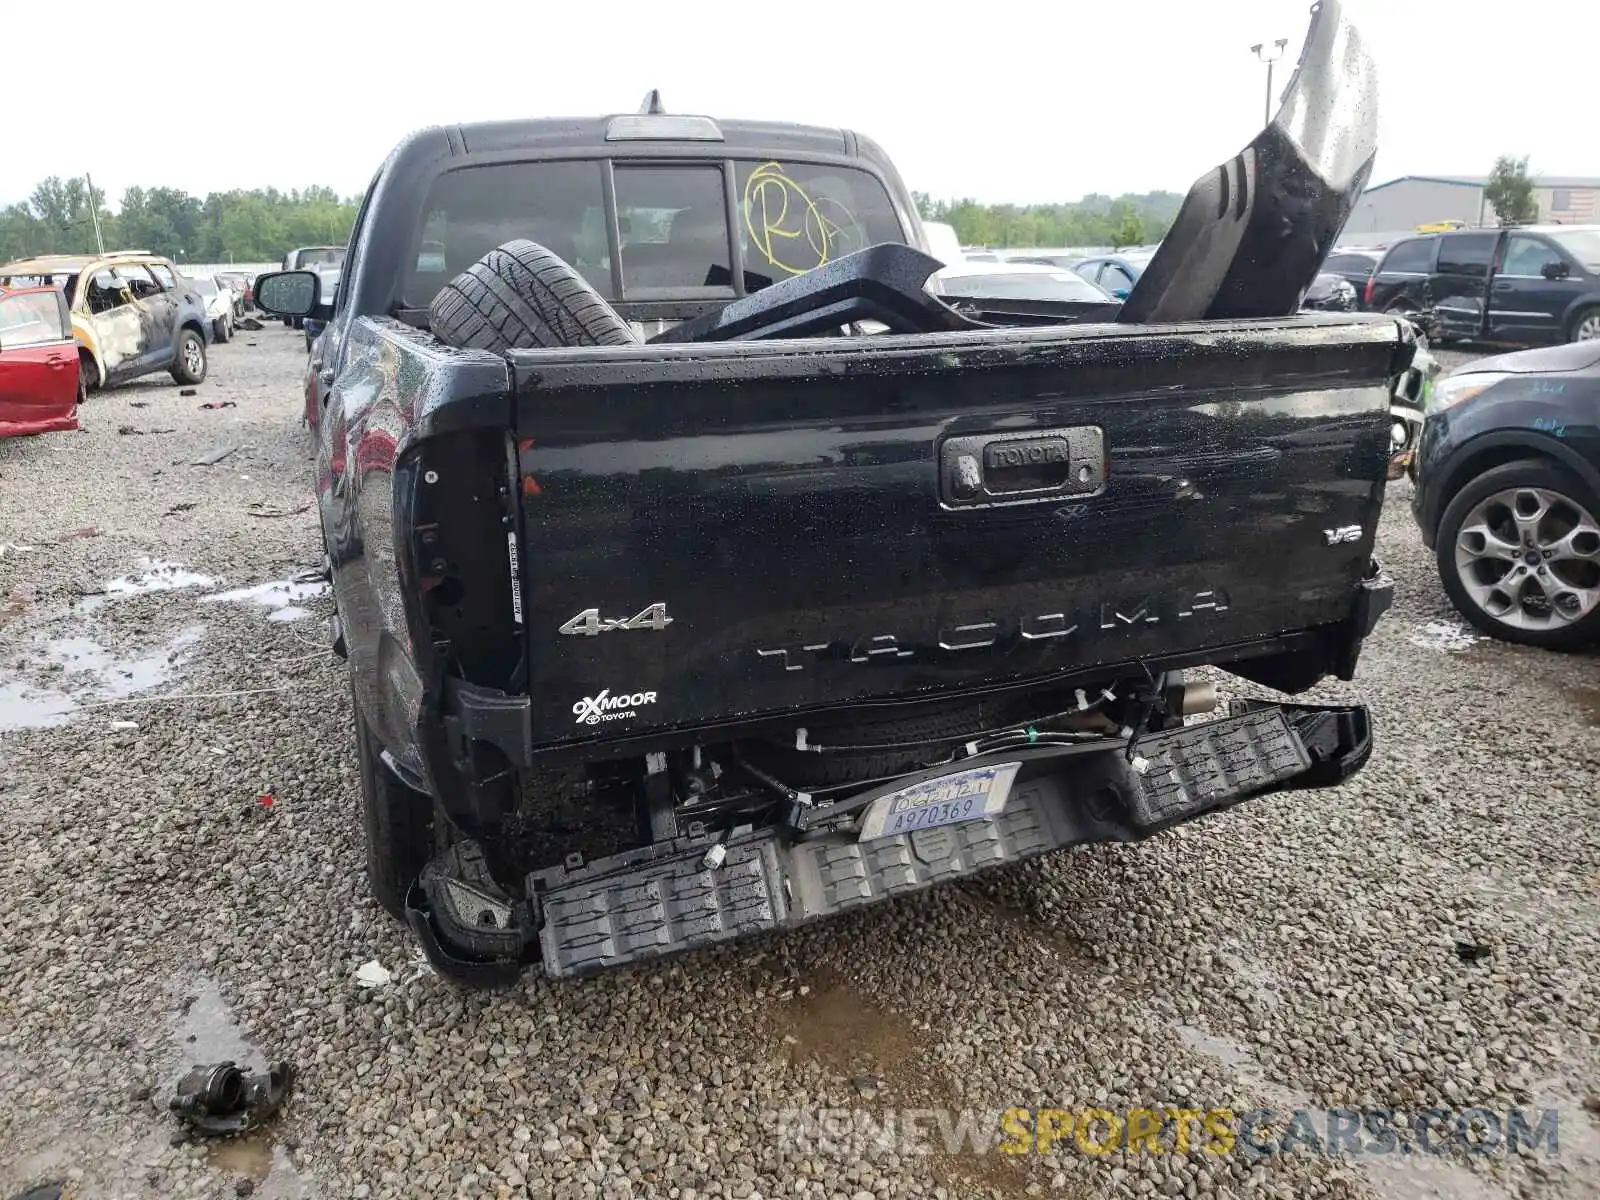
(1302, 950)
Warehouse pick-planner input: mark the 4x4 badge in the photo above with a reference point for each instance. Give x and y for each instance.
(589, 622)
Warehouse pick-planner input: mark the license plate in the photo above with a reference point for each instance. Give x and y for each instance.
(947, 800)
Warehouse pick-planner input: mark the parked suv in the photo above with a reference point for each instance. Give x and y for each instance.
(132, 313)
(1529, 285)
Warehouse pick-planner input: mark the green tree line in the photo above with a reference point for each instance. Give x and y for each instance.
(237, 226)
(1131, 219)
(259, 225)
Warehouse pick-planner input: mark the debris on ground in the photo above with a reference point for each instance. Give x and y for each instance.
(218, 403)
(187, 392)
(372, 974)
(258, 509)
(219, 1100)
(181, 506)
(216, 456)
(1471, 952)
(83, 531)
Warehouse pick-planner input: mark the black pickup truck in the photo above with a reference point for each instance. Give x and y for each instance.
(701, 571)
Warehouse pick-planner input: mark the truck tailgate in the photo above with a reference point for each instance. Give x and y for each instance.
(716, 532)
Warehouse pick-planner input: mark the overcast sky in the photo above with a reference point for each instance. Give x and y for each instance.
(1018, 101)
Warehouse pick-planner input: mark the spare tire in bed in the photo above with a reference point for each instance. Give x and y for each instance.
(520, 296)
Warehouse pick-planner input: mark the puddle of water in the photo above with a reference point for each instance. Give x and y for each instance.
(1587, 699)
(151, 575)
(157, 576)
(24, 707)
(99, 675)
(117, 677)
(207, 1032)
(280, 597)
(1444, 635)
(248, 1156)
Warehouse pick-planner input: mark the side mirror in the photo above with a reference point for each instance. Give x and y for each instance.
(288, 293)
(1555, 270)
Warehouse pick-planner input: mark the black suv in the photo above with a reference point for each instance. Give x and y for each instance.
(1528, 285)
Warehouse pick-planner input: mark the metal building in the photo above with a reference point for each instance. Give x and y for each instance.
(1400, 205)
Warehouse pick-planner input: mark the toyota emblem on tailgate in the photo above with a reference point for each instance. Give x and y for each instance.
(1022, 468)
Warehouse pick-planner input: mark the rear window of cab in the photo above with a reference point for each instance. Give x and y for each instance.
(672, 221)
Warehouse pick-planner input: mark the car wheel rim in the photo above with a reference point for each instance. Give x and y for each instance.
(1530, 558)
(191, 355)
(1589, 328)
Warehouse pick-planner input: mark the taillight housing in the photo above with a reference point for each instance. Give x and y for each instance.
(1366, 292)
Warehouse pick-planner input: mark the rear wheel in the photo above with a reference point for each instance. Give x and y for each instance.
(189, 364)
(1519, 555)
(398, 823)
(1586, 325)
(521, 296)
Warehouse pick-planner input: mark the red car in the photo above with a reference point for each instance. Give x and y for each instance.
(39, 385)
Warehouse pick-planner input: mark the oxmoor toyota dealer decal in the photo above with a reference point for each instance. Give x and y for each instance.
(591, 710)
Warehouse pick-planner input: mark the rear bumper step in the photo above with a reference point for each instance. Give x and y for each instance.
(664, 898)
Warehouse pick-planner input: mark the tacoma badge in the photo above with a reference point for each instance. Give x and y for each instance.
(589, 622)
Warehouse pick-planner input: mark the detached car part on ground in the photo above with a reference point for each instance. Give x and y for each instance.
(1508, 493)
(132, 313)
(39, 382)
(658, 644)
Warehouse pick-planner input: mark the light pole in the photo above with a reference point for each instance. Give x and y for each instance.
(1269, 57)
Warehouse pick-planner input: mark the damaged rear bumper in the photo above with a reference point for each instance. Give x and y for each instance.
(685, 893)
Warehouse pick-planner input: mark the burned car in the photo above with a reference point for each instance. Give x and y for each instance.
(133, 314)
(702, 571)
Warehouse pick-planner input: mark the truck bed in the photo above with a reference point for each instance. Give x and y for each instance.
(711, 534)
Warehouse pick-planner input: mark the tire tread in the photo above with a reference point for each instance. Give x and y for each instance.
(521, 296)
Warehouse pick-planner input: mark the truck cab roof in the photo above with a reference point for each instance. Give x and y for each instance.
(752, 202)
